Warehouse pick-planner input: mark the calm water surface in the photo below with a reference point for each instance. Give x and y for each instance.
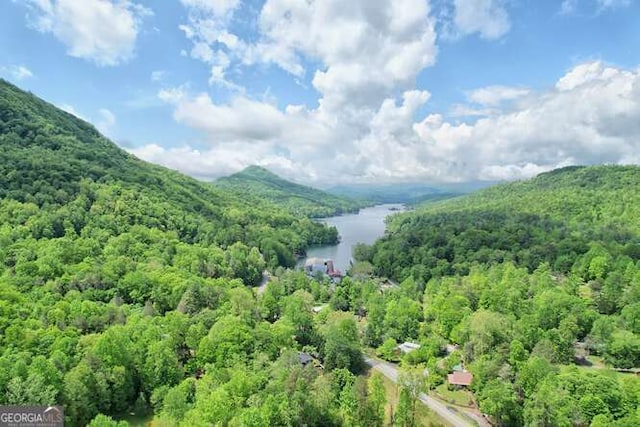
(364, 227)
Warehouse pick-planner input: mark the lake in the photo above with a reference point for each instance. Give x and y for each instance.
(366, 226)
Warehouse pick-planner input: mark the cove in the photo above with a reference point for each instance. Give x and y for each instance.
(364, 227)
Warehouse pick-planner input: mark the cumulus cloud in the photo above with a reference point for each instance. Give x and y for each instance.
(362, 57)
(367, 49)
(591, 116)
(16, 72)
(102, 31)
(488, 18)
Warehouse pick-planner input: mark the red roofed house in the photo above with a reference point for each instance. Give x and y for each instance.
(460, 379)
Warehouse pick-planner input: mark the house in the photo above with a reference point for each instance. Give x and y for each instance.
(460, 378)
(304, 358)
(408, 347)
(307, 359)
(314, 265)
(325, 266)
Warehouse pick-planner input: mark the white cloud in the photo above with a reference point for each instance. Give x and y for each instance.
(568, 7)
(16, 72)
(488, 18)
(495, 95)
(613, 4)
(215, 7)
(106, 121)
(102, 31)
(585, 73)
(367, 49)
(593, 116)
(71, 110)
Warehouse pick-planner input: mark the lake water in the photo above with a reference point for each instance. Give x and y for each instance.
(367, 226)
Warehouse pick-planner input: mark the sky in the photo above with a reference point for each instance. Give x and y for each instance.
(331, 91)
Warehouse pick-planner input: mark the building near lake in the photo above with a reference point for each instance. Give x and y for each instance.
(318, 265)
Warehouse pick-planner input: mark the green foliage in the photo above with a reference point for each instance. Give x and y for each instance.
(342, 345)
(124, 288)
(526, 278)
(552, 218)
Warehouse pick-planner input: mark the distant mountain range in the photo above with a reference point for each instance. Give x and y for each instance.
(256, 181)
(408, 193)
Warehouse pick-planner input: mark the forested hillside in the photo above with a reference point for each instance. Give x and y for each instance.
(538, 283)
(298, 199)
(124, 287)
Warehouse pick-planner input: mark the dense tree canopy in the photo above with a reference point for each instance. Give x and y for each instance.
(125, 287)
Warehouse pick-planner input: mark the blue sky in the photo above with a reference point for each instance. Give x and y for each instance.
(333, 91)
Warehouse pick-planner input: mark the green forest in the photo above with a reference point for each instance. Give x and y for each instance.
(130, 294)
(259, 183)
(126, 287)
(538, 284)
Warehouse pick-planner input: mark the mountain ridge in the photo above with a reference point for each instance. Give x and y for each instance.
(258, 181)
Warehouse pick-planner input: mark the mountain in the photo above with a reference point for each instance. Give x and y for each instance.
(537, 283)
(114, 271)
(58, 163)
(408, 193)
(553, 218)
(296, 198)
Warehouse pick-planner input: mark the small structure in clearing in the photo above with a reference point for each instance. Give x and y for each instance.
(408, 347)
(460, 378)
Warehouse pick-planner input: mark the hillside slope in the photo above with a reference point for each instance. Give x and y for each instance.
(537, 283)
(122, 282)
(296, 198)
(56, 161)
(554, 218)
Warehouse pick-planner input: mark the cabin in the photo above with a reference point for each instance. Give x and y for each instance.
(460, 379)
(304, 358)
(408, 347)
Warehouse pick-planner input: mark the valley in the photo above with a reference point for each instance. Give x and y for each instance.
(127, 288)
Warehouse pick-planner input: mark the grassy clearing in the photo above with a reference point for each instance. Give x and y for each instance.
(457, 397)
(424, 417)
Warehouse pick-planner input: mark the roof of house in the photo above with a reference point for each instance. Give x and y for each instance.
(460, 378)
(407, 347)
(304, 358)
(314, 261)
